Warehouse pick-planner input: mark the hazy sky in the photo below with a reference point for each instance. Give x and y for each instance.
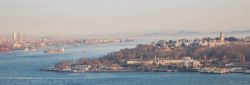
(82, 17)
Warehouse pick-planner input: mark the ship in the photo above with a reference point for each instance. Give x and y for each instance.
(247, 71)
(30, 49)
(55, 51)
(214, 70)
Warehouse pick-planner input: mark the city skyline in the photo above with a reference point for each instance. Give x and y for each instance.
(124, 42)
(84, 17)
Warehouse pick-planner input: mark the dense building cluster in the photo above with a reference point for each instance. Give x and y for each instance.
(19, 42)
(215, 53)
(211, 42)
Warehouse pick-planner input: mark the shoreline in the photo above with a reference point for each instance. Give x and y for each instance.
(139, 71)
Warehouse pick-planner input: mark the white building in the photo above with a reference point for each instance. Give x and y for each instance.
(14, 36)
(80, 67)
(186, 62)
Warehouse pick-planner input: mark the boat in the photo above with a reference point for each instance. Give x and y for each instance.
(164, 70)
(77, 71)
(247, 71)
(30, 49)
(55, 51)
(205, 70)
(213, 70)
(236, 70)
(49, 69)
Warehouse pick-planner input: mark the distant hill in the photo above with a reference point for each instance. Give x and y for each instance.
(239, 32)
(195, 33)
(188, 33)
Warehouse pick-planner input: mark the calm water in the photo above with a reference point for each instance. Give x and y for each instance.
(18, 68)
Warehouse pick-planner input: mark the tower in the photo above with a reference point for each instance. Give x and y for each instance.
(19, 36)
(222, 37)
(242, 59)
(14, 36)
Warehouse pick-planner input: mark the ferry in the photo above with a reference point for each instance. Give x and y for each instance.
(30, 49)
(247, 71)
(205, 70)
(77, 71)
(213, 70)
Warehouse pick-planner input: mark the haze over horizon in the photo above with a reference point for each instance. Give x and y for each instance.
(102, 17)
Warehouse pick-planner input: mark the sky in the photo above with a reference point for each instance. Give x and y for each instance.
(95, 17)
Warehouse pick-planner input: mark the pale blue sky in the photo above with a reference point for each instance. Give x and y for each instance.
(84, 17)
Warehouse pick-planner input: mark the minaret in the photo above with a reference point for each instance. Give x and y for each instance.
(242, 59)
(222, 37)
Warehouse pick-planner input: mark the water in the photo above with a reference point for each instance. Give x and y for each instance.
(18, 68)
